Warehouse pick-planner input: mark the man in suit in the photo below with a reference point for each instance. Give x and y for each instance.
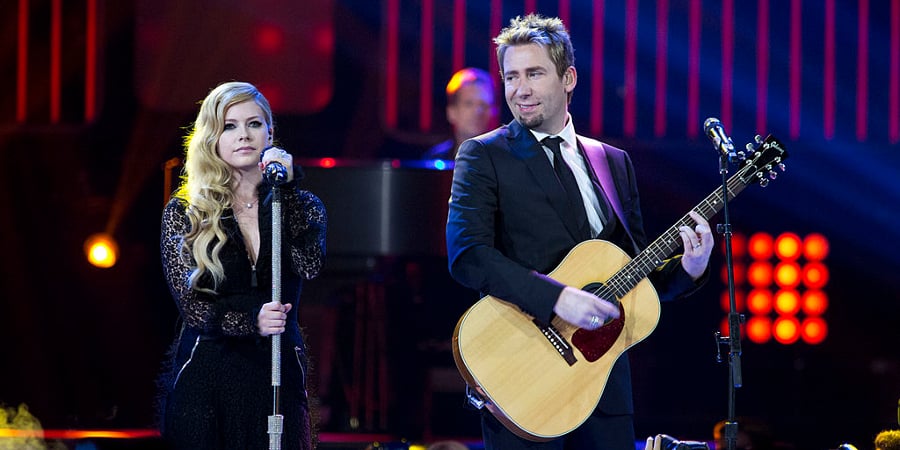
(471, 110)
(516, 210)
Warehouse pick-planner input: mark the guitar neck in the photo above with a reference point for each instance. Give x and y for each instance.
(653, 256)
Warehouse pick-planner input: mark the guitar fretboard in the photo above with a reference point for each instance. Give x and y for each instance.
(653, 256)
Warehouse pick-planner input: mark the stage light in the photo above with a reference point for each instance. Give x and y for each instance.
(813, 330)
(760, 246)
(760, 274)
(787, 302)
(814, 302)
(269, 39)
(787, 275)
(738, 245)
(327, 163)
(101, 250)
(780, 282)
(815, 247)
(786, 330)
(759, 329)
(759, 301)
(815, 275)
(740, 274)
(788, 246)
(739, 301)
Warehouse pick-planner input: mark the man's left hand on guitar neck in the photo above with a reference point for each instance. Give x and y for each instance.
(698, 246)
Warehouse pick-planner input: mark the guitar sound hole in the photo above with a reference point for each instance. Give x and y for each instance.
(599, 289)
(595, 343)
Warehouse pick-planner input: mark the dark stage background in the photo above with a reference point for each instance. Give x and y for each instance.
(99, 94)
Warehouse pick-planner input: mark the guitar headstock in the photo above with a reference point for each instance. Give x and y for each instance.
(766, 155)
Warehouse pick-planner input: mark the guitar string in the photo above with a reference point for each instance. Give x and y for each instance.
(627, 278)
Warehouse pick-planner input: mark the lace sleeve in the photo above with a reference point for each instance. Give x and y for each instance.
(198, 309)
(307, 224)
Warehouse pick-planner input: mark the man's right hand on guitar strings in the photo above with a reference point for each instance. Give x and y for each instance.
(583, 309)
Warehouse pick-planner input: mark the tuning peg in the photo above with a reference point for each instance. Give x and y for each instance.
(782, 167)
(763, 182)
(759, 140)
(773, 174)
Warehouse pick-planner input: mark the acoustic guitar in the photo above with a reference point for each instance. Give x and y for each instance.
(542, 380)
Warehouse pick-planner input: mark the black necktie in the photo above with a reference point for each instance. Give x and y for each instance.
(567, 180)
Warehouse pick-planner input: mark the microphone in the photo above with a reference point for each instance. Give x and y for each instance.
(716, 133)
(275, 173)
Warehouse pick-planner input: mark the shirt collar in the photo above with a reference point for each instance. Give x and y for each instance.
(567, 133)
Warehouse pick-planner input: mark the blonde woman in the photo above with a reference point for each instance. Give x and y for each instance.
(216, 247)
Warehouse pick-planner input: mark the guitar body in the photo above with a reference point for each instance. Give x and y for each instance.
(526, 382)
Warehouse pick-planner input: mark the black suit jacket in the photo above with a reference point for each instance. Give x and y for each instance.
(508, 226)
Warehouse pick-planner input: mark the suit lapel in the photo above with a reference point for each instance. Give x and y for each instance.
(598, 162)
(524, 146)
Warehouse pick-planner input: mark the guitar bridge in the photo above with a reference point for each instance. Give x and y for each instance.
(557, 341)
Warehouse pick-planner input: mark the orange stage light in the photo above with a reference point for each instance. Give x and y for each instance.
(814, 302)
(740, 274)
(760, 246)
(101, 250)
(787, 302)
(759, 301)
(759, 329)
(813, 330)
(787, 246)
(787, 275)
(739, 301)
(815, 275)
(786, 330)
(760, 274)
(815, 247)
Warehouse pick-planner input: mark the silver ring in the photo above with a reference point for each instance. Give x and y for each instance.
(697, 246)
(595, 321)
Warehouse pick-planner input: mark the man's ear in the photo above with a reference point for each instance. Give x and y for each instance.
(570, 78)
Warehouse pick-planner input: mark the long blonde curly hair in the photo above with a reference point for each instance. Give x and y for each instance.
(206, 179)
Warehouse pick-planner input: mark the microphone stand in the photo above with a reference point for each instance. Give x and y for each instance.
(734, 318)
(276, 420)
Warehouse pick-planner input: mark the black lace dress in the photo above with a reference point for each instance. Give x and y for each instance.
(216, 392)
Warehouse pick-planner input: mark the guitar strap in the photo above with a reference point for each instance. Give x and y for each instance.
(597, 159)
